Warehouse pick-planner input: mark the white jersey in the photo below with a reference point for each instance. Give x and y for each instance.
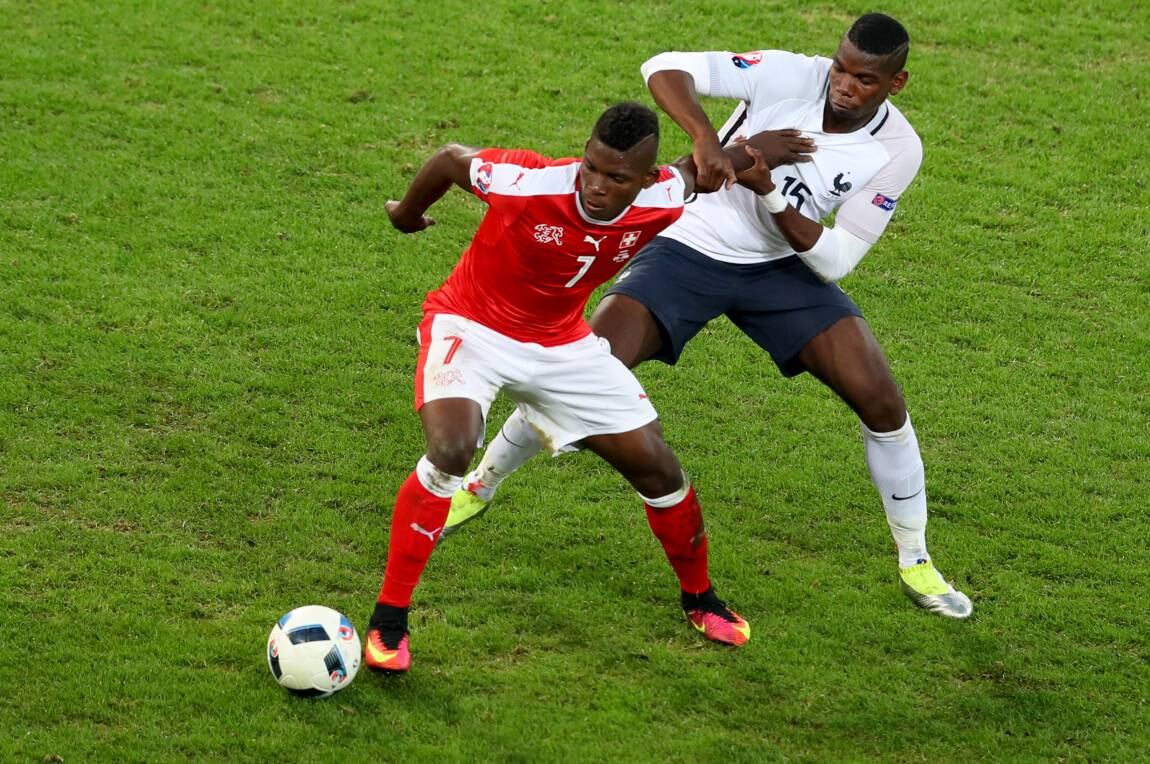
(861, 174)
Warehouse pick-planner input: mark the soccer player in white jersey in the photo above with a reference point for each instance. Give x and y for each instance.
(757, 252)
(510, 318)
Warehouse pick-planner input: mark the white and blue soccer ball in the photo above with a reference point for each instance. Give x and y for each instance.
(313, 651)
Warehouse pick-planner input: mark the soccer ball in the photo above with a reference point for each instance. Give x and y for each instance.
(313, 651)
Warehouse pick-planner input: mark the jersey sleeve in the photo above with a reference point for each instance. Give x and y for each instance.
(759, 77)
(494, 171)
(673, 177)
(867, 213)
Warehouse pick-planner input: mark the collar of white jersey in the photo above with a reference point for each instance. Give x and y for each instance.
(878, 120)
(873, 126)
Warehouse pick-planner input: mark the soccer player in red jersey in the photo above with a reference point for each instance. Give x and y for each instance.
(510, 317)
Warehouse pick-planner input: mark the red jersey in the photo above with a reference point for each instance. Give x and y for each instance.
(537, 256)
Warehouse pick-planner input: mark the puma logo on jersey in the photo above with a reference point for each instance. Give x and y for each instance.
(420, 529)
(589, 239)
(840, 187)
(518, 178)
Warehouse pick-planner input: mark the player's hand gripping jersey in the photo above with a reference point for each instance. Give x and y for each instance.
(861, 174)
(537, 256)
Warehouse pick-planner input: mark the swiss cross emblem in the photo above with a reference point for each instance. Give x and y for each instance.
(630, 239)
(549, 234)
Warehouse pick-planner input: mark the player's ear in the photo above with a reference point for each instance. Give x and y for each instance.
(898, 82)
(651, 178)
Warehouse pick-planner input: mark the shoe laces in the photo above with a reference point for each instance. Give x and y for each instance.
(709, 602)
(389, 638)
(925, 578)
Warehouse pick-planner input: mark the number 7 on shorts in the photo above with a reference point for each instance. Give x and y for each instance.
(455, 343)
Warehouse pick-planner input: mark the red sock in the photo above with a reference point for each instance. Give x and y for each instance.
(680, 531)
(416, 524)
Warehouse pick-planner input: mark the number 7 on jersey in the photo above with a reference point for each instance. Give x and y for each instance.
(588, 261)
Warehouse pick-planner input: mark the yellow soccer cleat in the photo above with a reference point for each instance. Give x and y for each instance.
(926, 588)
(465, 507)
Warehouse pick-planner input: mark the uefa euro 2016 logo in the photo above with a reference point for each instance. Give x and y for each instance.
(483, 177)
(746, 60)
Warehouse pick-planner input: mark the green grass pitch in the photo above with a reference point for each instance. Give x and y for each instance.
(207, 347)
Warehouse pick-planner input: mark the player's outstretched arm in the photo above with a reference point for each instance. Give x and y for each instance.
(676, 80)
(450, 165)
(674, 91)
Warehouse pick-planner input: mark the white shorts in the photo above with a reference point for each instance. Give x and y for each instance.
(567, 393)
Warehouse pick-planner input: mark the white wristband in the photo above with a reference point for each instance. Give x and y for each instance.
(773, 200)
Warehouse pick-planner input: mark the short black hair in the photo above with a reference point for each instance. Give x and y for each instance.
(877, 34)
(626, 124)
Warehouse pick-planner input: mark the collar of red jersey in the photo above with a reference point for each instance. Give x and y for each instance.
(593, 221)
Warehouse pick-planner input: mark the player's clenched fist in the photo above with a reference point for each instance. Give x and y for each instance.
(712, 165)
(405, 222)
(757, 177)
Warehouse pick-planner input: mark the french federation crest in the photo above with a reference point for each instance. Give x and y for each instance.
(841, 186)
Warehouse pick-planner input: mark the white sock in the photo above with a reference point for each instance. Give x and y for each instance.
(436, 481)
(516, 442)
(671, 499)
(896, 469)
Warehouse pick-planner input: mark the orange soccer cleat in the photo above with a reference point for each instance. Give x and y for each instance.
(389, 655)
(717, 622)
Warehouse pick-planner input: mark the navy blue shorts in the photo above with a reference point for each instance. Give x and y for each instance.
(781, 304)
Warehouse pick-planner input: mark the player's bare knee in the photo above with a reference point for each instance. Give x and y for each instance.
(648, 463)
(664, 476)
(884, 409)
(452, 455)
